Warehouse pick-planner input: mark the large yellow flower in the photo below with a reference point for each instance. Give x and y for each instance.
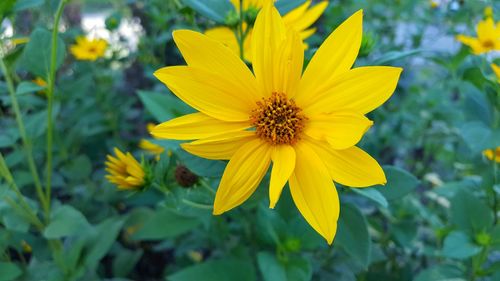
(492, 154)
(124, 171)
(496, 70)
(300, 19)
(86, 49)
(306, 124)
(488, 37)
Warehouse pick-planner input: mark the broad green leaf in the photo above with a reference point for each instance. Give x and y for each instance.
(5, 7)
(217, 270)
(352, 234)
(101, 241)
(27, 4)
(372, 194)
(201, 166)
(165, 223)
(125, 261)
(476, 106)
(37, 53)
(457, 245)
(27, 87)
(470, 213)
(9, 271)
(163, 106)
(213, 9)
(294, 269)
(399, 183)
(479, 137)
(79, 168)
(441, 273)
(66, 221)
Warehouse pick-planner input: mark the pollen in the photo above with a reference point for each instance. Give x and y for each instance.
(278, 120)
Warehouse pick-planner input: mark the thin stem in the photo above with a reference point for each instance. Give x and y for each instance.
(495, 197)
(50, 99)
(28, 149)
(197, 205)
(207, 186)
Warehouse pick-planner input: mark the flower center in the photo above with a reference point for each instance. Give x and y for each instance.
(278, 120)
(488, 44)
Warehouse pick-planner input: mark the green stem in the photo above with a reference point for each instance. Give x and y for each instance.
(495, 197)
(197, 205)
(28, 148)
(50, 99)
(207, 187)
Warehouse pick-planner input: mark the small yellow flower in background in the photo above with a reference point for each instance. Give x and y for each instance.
(20, 40)
(300, 19)
(124, 171)
(40, 82)
(492, 155)
(434, 4)
(496, 70)
(488, 12)
(306, 124)
(86, 49)
(26, 247)
(488, 37)
(152, 148)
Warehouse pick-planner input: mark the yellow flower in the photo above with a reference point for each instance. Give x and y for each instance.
(434, 4)
(86, 49)
(40, 82)
(300, 19)
(124, 171)
(496, 69)
(306, 124)
(153, 148)
(488, 37)
(488, 12)
(492, 155)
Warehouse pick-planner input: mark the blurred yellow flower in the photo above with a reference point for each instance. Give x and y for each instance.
(40, 82)
(86, 49)
(488, 37)
(26, 247)
(496, 70)
(124, 171)
(488, 12)
(149, 146)
(492, 155)
(434, 4)
(300, 19)
(306, 124)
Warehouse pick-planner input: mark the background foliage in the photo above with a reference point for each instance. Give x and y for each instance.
(436, 219)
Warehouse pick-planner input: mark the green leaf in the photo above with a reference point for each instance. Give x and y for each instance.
(294, 269)
(213, 9)
(286, 6)
(353, 236)
(27, 4)
(469, 213)
(36, 55)
(457, 245)
(101, 241)
(479, 137)
(372, 194)
(165, 223)
(9, 271)
(399, 183)
(476, 106)
(217, 270)
(441, 273)
(66, 221)
(79, 168)
(163, 106)
(125, 261)
(201, 166)
(26, 87)
(5, 8)
(396, 55)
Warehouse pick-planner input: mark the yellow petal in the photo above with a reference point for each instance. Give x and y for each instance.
(195, 126)
(220, 147)
(473, 43)
(211, 94)
(268, 34)
(335, 56)
(340, 129)
(287, 64)
(303, 19)
(496, 70)
(243, 174)
(350, 167)
(283, 157)
(360, 90)
(200, 51)
(226, 36)
(314, 193)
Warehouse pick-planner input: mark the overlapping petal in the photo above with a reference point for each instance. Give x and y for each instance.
(301, 18)
(214, 95)
(283, 157)
(359, 90)
(195, 126)
(219, 147)
(314, 193)
(242, 175)
(340, 129)
(351, 167)
(335, 56)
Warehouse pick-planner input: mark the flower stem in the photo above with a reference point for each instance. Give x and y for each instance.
(50, 99)
(197, 205)
(28, 148)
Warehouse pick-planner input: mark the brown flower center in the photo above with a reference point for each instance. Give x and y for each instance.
(278, 120)
(488, 44)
